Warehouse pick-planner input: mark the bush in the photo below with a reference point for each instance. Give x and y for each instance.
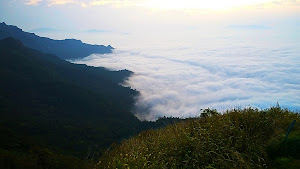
(237, 139)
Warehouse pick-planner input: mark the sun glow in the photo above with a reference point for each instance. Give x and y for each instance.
(201, 4)
(171, 4)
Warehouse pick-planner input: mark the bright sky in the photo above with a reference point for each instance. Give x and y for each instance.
(200, 4)
(165, 4)
(128, 16)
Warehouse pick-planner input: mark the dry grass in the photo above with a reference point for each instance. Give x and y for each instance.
(236, 139)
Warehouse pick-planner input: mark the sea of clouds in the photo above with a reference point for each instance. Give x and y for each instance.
(180, 78)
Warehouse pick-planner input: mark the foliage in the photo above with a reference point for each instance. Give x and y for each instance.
(72, 111)
(208, 112)
(40, 158)
(248, 138)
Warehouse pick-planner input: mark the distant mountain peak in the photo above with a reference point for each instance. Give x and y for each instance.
(4, 26)
(64, 49)
(110, 47)
(73, 40)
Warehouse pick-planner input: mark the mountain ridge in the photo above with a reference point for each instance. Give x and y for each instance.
(62, 110)
(64, 49)
(57, 114)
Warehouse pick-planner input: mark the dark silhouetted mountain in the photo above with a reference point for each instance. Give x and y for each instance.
(56, 114)
(65, 49)
(68, 111)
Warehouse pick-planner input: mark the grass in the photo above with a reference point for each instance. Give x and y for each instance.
(248, 138)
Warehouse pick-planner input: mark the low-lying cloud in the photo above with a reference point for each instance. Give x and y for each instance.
(181, 80)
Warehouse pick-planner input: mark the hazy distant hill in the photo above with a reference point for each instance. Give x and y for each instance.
(62, 110)
(65, 49)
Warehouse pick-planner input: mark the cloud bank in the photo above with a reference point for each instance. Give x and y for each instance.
(179, 80)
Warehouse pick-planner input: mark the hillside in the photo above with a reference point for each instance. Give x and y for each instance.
(55, 113)
(248, 138)
(64, 49)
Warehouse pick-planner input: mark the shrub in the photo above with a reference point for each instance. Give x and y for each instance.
(237, 139)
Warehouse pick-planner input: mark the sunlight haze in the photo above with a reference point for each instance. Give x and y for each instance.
(164, 4)
(201, 4)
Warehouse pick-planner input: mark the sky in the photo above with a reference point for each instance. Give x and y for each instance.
(187, 55)
(140, 16)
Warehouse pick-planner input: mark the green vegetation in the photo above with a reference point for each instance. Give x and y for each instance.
(248, 138)
(55, 114)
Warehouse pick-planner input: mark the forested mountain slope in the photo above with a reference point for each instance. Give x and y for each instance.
(48, 105)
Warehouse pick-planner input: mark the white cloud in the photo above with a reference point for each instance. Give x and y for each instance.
(32, 2)
(83, 5)
(51, 2)
(181, 80)
(60, 2)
